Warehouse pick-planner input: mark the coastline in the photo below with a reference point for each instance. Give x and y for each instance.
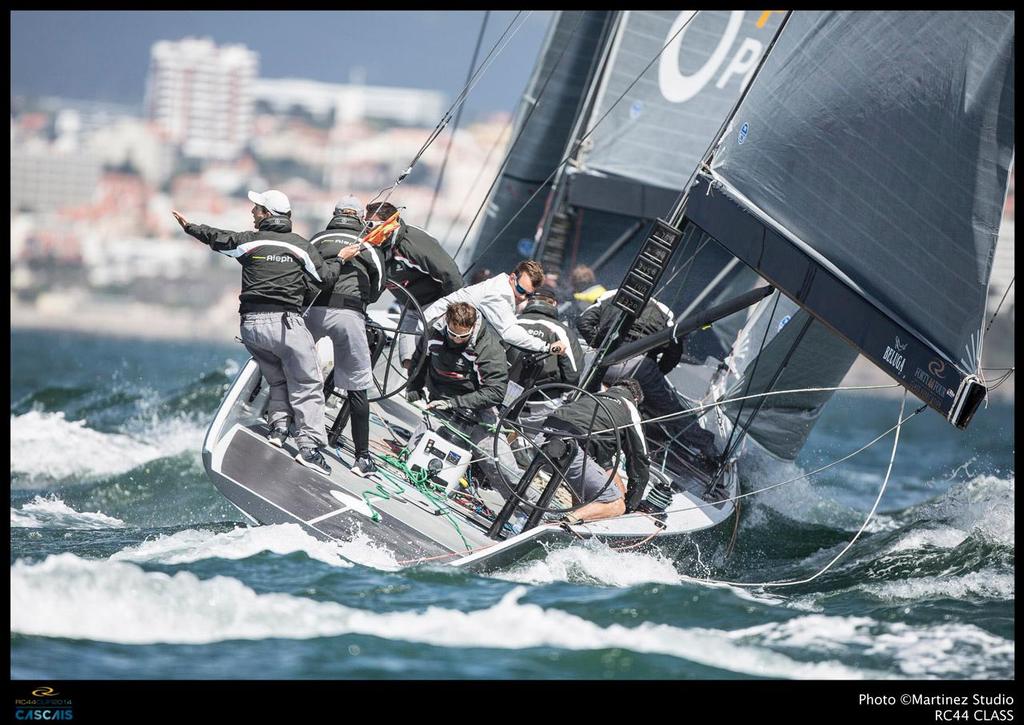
(78, 312)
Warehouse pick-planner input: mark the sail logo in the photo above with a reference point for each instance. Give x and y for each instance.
(744, 130)
(894, 357)
(937, 368)
(930, 383)
(678, 87)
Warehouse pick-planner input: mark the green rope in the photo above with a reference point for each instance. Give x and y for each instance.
(419, 479)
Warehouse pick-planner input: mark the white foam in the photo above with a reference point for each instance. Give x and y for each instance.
(240, 543)
(361, 549)
(52, 513)
(983, 506)
(975, 584)
(45, 447)
(942, 538)
(66, 596)
(595, 563)
(960, 650)
(802, 499)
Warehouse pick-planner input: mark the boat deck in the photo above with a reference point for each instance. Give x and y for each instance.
(250, 470)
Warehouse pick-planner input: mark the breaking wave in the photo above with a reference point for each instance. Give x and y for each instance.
(47, 448)
(116, 601)
(52, 513)
(242, 542)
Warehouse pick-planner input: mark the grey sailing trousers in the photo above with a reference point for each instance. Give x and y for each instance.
(286, 354)
(347, 330)
(406, 340)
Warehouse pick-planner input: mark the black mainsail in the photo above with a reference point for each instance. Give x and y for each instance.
(863, 175)
(565, 69)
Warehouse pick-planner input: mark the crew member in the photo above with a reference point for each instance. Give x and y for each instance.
(275, 262)
(590, 467)
(466, 372)
(527, 369)
(497, 298)
(585, 292)
(540, 319)
(416, 261)
(340, 314)
(651, 369)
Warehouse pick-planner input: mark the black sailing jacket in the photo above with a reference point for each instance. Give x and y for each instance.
(472, 376)
(540, 319)
(360, 278)
(593, 325)
(274, 262)
(417, 262)
(616, 410)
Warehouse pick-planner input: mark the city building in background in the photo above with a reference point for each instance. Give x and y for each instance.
(201, 95)
(93, 243)
(330, 103)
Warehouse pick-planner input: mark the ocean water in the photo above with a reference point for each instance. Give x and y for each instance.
(126, 562)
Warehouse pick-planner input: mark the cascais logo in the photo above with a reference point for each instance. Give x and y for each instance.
(44, 692)
(894, 355)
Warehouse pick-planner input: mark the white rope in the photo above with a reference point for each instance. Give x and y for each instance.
(815, 472)
(702, 408)
(852, 541)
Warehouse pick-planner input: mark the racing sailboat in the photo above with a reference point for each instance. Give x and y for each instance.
(864, 186)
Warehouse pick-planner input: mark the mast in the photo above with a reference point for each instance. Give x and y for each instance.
(555, 225)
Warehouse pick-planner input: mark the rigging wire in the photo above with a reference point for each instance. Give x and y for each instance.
(1000, 305)
(483, 167)
(699, 410)
(456, 104)
(477, 75)
(899, 423)
(982, 341)
(728, 449)
(580, 141)
(867, 520)
(458, 117)
(519, 134)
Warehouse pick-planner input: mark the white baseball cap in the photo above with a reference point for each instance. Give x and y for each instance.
(272, 200)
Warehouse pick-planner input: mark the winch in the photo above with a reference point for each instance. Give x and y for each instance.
(441, 453)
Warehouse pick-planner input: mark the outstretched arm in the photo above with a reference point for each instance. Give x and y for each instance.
(219, 240)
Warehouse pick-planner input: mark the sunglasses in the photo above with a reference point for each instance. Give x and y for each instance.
(457, 335)
(520, 290)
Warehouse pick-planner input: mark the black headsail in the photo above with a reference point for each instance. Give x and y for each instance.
(864, 174)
